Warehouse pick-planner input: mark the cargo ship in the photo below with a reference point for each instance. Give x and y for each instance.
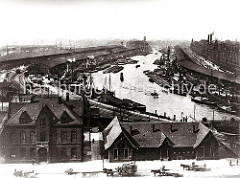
(109, 98)
(102, 67)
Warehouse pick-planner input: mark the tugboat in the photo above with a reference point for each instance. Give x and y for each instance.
(121, 77)
(151, 80)
(154, 94)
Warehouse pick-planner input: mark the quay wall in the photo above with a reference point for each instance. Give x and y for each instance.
(51, 59)
(186, 60)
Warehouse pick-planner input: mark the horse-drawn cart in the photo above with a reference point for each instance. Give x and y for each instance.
(124, 170)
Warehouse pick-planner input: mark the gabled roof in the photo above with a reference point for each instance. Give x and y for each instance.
(138, 139)
(3, 119)
(181, 134)
(65, 118)
(14, 108)
(113, 131)
(153, 134)
(50, 106)
(77, 106)
(203, 131)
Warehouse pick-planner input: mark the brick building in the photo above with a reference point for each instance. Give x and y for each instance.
(45, 130)
(158, 140)
(223, 53)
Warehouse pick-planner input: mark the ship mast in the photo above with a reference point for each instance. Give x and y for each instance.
(109, 84)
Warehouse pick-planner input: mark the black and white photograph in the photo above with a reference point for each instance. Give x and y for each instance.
(119, 88)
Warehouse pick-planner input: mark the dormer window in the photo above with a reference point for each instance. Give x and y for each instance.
(66, 118)
(24, 118)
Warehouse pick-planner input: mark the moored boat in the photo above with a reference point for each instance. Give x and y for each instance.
(117, 69)
(104, 66)
(113, 69)
(227, 109)
(203, 100)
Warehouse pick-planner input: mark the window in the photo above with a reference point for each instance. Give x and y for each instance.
(24, 118)
(63, 136)
(32, 153)
(32, 136)
(22, 153)
(43, 136)
(12, 138)
(43, 122)
(64, 153)
(121, 152)
(74, 136)
(115, 155)
(73, 153)
(201, 152)
(23, 137)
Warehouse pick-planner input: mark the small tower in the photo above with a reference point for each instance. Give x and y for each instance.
(144, 38)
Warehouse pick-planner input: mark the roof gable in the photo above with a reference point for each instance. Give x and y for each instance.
(46, 112)
(203, 132)
(111, 132)
(24, 118)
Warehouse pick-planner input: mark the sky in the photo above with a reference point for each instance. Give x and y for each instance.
(28, 21)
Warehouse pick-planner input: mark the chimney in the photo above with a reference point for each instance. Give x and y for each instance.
(131, 130)
(195, 130)
(153, 128)
(171, 129)
(59, 100)
(67, 97)
(208, 38)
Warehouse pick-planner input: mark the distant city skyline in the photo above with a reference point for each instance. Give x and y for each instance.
(26, 22)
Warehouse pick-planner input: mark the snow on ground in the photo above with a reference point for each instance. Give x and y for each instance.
(219, 168)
